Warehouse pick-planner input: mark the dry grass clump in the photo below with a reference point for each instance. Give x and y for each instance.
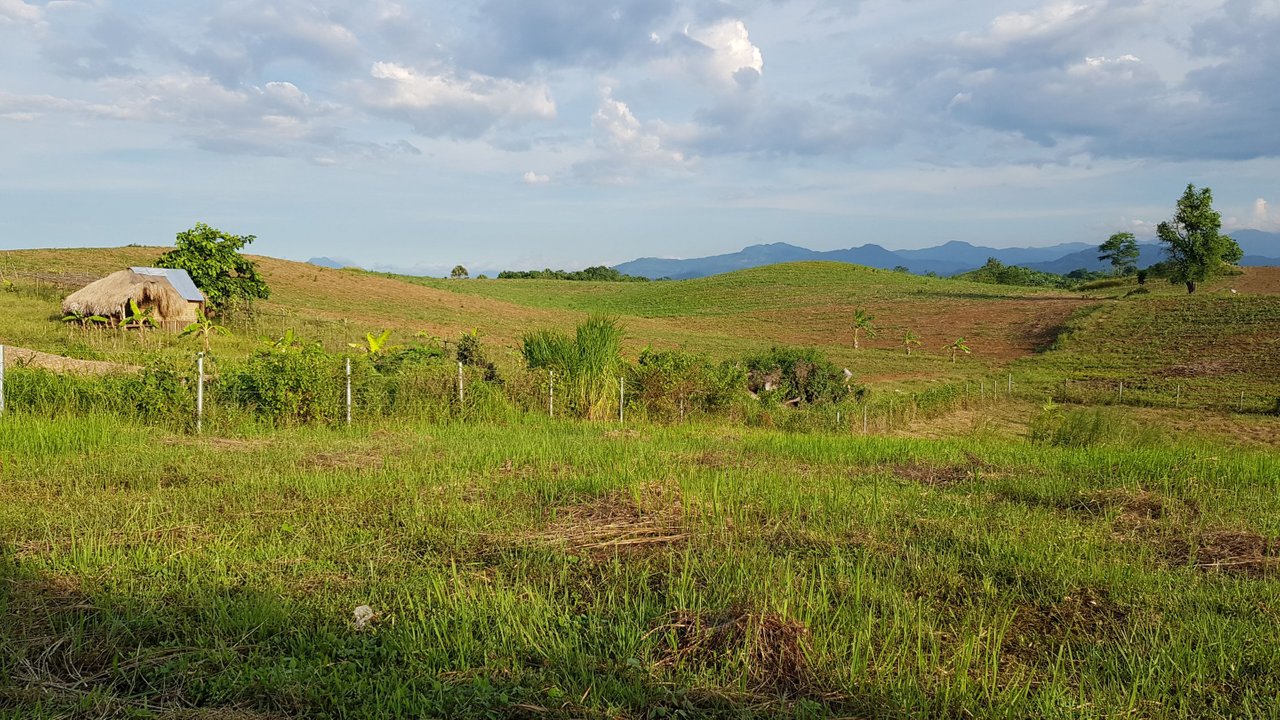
(772, 649)
(1088, 614)
(941, 475)
(622, 520)
(1243, 552)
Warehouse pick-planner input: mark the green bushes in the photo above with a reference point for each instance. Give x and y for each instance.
(797, 376)
(675, 383)
(291, 385)
(588, 363)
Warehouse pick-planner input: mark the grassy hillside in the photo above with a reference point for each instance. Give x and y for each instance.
(799, 304)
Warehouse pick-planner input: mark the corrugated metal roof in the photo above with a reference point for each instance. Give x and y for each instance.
(179, 279)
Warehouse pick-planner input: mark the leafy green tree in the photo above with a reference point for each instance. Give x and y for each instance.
(862, 323)
(1121, 250)
(458, 273)
(203, 328)
(1194, 246)
(212, 258)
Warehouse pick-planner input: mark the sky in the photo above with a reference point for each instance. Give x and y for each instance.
(566, 133)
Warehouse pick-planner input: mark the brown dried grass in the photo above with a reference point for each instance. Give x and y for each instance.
(772, 649)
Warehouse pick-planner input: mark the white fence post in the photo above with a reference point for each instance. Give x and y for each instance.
(459, 382)
(551, 395)
(622, 397)
(864, 419)
(199, 393)
(1, 379)
(348, 391)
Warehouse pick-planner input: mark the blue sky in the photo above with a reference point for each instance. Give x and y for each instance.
(531, 133)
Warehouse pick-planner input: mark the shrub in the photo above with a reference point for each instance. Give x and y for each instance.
(471, 354)
(588, 364)
(294, 385)
(671, 383)
(792, 375)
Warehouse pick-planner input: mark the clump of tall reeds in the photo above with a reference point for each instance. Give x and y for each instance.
(587, 365)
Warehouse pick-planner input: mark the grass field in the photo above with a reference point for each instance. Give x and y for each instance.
(563, 569)
(995, 554)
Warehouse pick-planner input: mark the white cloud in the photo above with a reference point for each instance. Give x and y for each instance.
(733, 60)
(1264, 218)
(533, 178)
(444, 103)
(18, 12)
(627, 147)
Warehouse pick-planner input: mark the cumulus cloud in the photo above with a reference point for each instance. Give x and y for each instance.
(725, 55)
(533, 178)
(1263, 217)
(626, 148)
(442, 103)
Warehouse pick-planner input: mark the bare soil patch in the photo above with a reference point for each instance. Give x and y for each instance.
(1239, 552)
(16, 357)
(771, 649)
(1088, 614)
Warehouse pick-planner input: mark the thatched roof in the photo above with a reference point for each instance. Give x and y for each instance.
(110, 295)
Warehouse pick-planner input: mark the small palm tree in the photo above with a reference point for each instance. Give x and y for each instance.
(956, 348)
(203, 328)
(138, 318)
(910, 341)
(862, 324)
(287, 342)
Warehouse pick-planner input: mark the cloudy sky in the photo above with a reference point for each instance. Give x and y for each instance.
(530, 133)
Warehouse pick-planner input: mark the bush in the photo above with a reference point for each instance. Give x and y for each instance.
(1104, 284)
(587, 364)
(674, 383)
(293, 385)
(796, 375)
(471, 354)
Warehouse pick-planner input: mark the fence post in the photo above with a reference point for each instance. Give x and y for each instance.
(199, 393)
(1177, 398)
(551, 395)
(1241, 401)
(982, 391)
(864, 419)
(1, 379)
(1010, 384)
(460, 382)
(622, 397)
(1121, 392)
(348, 391)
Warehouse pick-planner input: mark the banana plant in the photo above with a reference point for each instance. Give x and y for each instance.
(862, 324)
(203, 328)
(374, 344)
(910, 341)
(957, 347)
(138, 318)
(285, 343)
(83, 320)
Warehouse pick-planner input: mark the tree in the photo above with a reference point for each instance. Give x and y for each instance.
(862, 324)
(203, 328)
(458, 273)
(956, 348)
(212, 258)
(910, 341)
(1121, 250)
(1195, 249)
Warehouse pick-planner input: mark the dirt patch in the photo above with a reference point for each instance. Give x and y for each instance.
(942, 475)
(771, 649)
(1135, 506)
(1204, 368)
(219, 443)
(1086, 615)
(1255, 281)
(16, 357)
(619, 522)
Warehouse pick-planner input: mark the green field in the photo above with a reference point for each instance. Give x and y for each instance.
(1009, 537)
(565, 569)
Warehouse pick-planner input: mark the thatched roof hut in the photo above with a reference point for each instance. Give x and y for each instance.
(170, 295)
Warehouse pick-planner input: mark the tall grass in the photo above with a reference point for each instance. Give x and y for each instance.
(589, 363)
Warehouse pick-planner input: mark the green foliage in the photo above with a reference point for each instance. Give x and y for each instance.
(995, 272)
(597, 273)
(862, 323)
(374, 345)
(212, 258)
(83, 320)
(956, 347)
(1192, 241)
(677, 383)
(797, 376)
(1121, 250)
(204, 328)
(297, 384)
(470, 353)
(458, 273)
(910, 341)
(138, 318)
(588, 363)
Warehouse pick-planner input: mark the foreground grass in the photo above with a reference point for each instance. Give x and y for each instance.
(566, 569)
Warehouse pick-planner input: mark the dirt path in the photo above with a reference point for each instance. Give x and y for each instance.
(22, 357)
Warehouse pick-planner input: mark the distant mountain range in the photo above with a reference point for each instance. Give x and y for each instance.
(1260, 248)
